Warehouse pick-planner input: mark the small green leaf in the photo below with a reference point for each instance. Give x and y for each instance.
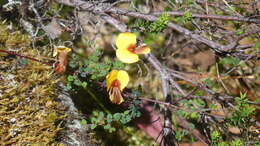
(240, 31)
(109, 118)
(118, 65)
(180, 134)
(73, 65)
(257, 45)
(123, 121)
(126, 112)
(182, 113)
(209, 82)
(112, 129)
(83, 122)
(215, 136)
(200, 93)
(100, 116)
(77, 82)
(213, 106)
(237, 142)
(128, 118)
(230, 60)
(107, 126)
(117, 116)
(93, 120)
(199, 102)
(192, 126)
(194, 115)
(190, 2)
(70, 78)
(84, 84)
(242, 95)
(137, 102)
(93, 126)
(69, 87)
(138, 114)
(187, 16)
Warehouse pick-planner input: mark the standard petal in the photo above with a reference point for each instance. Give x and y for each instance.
(126, 56)
(124, 40)
(123, 78)
(111, 77)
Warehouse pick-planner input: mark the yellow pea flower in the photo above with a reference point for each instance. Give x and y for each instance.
(116, 80)
(128, 48)
(62, 53)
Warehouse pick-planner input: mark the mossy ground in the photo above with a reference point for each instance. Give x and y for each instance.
(29, 113)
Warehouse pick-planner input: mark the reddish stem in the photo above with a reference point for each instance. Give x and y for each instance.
(27, 57)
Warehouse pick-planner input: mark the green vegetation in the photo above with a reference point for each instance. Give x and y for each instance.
(213, 90)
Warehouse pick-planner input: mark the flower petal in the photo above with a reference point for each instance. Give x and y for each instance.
(59, 49)
(126, 56)
(123, 78)
(143, 49)
(115, 95)
(111, 77)
(124, 40)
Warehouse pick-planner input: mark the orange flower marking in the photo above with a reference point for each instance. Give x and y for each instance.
(116, 83)
(131, 48)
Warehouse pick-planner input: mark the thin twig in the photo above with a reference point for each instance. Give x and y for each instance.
(208, 16)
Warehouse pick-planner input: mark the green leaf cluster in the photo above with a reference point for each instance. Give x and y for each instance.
(180, 134)
(241, 117)
(99, 118)
(217, 140)
(97, 69)
(186, 18)
(230, 61)
(90, 69)
(210, 82)
(194, 103)
(73, 80)
(160, 24)
(192, 106)
(155, 27)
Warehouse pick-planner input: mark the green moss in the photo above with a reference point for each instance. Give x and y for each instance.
(52, 117)
(3, 32)
(17, 40)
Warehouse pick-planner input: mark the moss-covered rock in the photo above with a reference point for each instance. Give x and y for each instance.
(29, 113)
(34, 108)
